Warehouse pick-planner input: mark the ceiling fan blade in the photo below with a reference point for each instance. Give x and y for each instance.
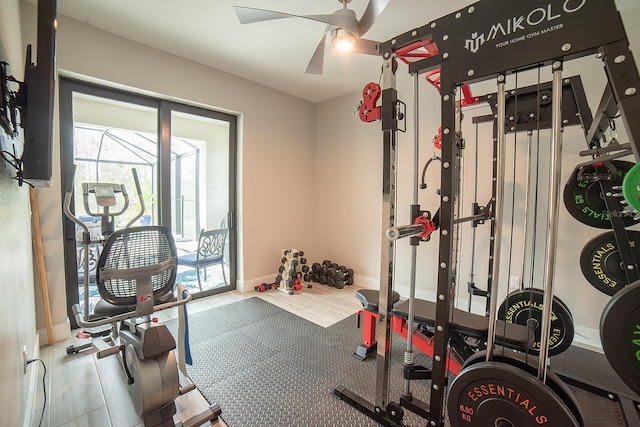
(365, 46)
(317, 59)
(374, 9)
(248, 15)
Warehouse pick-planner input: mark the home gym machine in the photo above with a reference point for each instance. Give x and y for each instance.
(106, 197)
(492, 39)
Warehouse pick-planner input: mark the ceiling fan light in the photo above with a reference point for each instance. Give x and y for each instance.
(342, 39)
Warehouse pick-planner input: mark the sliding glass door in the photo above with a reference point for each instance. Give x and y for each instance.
(184, 158)
(200, 185)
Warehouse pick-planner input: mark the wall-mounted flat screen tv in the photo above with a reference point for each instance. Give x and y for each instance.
(37, 157)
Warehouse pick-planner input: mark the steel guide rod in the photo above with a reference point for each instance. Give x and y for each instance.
(408, 354)
(552, 216)
(473, 229)
(498, 214)
(527, 201)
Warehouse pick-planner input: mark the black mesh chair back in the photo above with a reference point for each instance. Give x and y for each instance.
(137, 267)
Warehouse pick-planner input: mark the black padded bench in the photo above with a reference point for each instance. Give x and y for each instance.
(511, 335)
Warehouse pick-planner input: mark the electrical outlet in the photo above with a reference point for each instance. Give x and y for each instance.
(24, 360)
(514, 283)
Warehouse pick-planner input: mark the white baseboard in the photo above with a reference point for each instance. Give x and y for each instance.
(249, 285)
(61, 332)
(587, 338)
(32, 381)
(366, 282)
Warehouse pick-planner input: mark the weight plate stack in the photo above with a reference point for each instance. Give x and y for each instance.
(496, 394)
(584, 200)
(525, 308)
(601, 263)
(620, 334)
(521, 361)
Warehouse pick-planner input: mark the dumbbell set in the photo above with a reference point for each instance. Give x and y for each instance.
(290, 279)
(330, 274)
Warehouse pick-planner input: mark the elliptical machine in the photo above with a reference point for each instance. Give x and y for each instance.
(136, 277)
(106, 195)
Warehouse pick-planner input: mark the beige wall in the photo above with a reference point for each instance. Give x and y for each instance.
(276, 146)
(17, 312)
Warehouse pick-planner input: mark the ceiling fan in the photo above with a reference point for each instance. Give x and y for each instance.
(344, 29)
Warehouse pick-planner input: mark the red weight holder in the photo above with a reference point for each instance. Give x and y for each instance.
(368, 110)
(437, 140)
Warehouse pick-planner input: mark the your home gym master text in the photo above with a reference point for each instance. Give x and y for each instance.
(534, 18)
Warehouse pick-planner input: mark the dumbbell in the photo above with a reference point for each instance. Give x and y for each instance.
(263, 287)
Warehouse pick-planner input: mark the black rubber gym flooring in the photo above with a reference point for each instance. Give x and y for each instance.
(267, 367)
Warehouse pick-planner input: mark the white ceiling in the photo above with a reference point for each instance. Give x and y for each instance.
(274, 53)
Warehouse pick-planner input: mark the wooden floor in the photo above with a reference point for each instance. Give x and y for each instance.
(83, 391)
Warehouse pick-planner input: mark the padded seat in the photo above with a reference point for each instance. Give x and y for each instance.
(369, 298)
(469, 324)
(104, 309)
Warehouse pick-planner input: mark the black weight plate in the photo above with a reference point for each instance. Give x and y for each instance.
(620, 334)
(601, 263)
(315, 267)
(585, 202)
(322, 280)
(554, 382)
(526, 306)
(490, 394)
(326, 263)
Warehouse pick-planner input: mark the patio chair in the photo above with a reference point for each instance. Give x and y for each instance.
(210, 252)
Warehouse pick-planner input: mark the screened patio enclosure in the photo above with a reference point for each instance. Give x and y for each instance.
(108, 155)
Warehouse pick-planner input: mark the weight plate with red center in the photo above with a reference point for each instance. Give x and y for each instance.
(585, 201)
(602, 265)
(530, 365)
(490, 394)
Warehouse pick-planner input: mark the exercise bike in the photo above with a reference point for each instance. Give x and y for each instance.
(135, 277)
(106, 197)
